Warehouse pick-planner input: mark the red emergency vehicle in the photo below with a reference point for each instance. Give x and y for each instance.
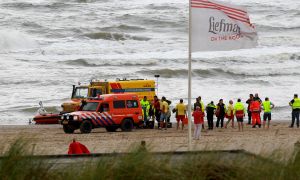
(111, 111)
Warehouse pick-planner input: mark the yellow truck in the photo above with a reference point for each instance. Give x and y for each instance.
(139, 86)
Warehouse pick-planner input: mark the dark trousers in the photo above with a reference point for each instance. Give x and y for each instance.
(157, 115)
(210, 121)
(249, 117)
(295, 116)
(221, 118)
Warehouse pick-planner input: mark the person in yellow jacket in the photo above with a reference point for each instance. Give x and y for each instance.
(181, 113)
(295, 104)
(229, 114)
(146, 107)
(164, 108)
(239, 112)
(267, 106)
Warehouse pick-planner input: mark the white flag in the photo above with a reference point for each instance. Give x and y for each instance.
(217, 26)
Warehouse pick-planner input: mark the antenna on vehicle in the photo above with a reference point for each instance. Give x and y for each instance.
(157, 76)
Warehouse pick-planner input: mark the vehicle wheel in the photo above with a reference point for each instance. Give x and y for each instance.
(68, 129)
(111, 128)
(86, 127)
(127, 125)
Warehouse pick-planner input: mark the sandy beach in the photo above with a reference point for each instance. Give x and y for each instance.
(50, 139)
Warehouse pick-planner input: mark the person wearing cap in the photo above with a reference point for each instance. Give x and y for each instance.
(267, 106)
(198, 121)
(295, 104)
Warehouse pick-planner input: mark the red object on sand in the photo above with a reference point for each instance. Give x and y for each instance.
(46, 119)
(78, 148)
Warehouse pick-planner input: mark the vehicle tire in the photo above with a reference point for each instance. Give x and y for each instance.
(68, 129)
(111, 128)
(86, 127)
(127, 125)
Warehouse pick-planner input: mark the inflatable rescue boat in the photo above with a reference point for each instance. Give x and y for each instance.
(43, 117)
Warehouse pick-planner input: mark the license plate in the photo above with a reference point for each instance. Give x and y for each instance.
(65, 122)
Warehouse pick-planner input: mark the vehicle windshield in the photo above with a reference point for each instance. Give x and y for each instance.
(90, 106)
(81, 92)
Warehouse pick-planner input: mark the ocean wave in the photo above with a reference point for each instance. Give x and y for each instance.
(14, 40)
(123, 28)
(160, 7)
(115, 36)
(95, 62)
(156, 21)
(218, 73)
(28, 5)
(262, 27)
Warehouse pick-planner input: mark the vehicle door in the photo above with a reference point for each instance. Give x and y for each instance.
(134, 110)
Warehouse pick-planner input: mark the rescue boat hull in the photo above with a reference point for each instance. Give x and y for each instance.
(46, 119)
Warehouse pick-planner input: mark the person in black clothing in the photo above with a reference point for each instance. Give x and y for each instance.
(295, 104)
(256, 98)
(248, 109)
(220, 113)
(210, 111)
(197, 103)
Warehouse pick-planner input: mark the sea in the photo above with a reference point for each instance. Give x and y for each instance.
(46, 46)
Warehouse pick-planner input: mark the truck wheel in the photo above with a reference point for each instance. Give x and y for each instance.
(127, 125)
(68, 129)
(111, 128)
(86, 127)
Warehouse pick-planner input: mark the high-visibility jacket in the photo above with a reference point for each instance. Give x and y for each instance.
(145, 106)
(267, 106)
(255, 106)
(296, 104)
(239, 110)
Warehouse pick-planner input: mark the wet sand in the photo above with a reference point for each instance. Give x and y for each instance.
(50, 139)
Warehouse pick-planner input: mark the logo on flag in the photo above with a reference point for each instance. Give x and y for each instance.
(219, 26)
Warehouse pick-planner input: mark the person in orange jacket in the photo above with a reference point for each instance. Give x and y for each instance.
(255, 108)
(77, 148)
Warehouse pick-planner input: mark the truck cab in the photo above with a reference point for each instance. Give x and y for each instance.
(111, 111)
(139, 86)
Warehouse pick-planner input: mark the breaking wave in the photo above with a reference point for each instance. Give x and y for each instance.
(115, 36)
(94, 62)
(216, 72)
(123, 28)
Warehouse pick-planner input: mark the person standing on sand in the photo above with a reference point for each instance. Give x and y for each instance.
(210, 111)
(198, 121)
(255, 113)
(239, 112)
(164, 108)
(229, 114)
(201, 105)
(220, 113)
(295, 104)
(156, 107)
(248, 109)
(267, 106)
(146, 107)
(181, 113)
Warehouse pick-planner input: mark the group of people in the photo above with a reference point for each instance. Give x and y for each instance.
(159, 110)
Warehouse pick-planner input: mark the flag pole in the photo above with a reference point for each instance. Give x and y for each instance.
(189, 82)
